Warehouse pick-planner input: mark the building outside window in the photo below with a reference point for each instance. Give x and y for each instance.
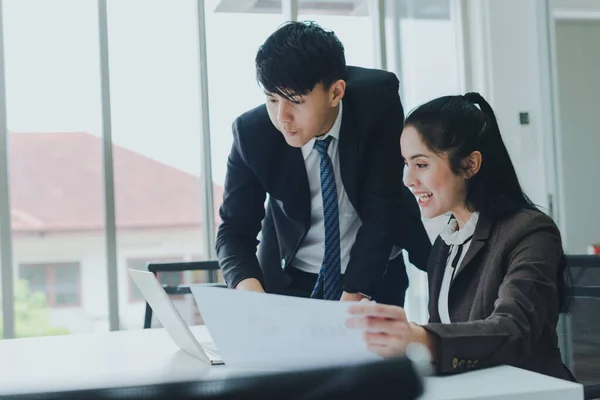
(59, 282)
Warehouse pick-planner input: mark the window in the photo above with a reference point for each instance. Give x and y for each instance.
(430, 55)
(430, 58)
(157, 134)
(233, 34)
(351, 23)
(60, 282)
(55, 156)
(205, 276)
(166, 278)
(54, 116)
(430, 64)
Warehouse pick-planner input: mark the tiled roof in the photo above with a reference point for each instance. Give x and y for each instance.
(56, 184)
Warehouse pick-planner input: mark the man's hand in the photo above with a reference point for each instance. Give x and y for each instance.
(251, 285)
(352, 297)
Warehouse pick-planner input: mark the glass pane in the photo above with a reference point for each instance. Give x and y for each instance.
(35, 276)
(430, 67)
(55, 153)
(232, 85)
(155, 95)
(351, 23)
(203, 277)
(165, 277)
(430, 59)
(174, 278)
(134, 318)
(134, 292)
(430, 54)
(66, 281)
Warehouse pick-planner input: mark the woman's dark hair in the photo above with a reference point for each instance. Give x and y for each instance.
(298, 56)
(460, 125)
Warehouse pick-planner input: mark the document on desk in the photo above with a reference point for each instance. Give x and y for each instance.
(282, 332)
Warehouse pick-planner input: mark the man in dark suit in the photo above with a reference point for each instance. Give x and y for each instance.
(325, 148)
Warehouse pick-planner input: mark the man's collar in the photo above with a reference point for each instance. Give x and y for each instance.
(333, 132)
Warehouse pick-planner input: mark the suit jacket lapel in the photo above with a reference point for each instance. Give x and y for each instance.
(297, 184)
(349, 151)
(482, 233)
(437, 275)
(480, 237)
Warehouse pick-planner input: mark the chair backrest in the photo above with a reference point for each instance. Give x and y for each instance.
(211, 266)
(181, 289)
(583, 328)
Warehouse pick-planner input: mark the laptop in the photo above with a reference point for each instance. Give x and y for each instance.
(171, 320)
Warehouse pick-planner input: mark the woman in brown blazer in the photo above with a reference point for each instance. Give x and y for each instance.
(496, 272)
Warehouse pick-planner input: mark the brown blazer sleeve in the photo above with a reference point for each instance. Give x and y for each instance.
(527, 299)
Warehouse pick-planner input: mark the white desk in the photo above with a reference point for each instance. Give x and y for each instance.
(501, 383)
(149, 356)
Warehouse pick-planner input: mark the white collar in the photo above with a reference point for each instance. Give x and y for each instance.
(453, 236)
(333, 132)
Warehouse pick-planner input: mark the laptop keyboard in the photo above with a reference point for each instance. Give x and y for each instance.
(210, 350)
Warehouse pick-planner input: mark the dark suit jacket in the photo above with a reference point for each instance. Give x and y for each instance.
(371, 166)
(504, 303)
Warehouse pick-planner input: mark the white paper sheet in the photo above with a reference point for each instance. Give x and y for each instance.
(279, 332)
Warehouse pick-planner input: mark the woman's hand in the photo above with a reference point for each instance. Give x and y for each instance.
(387, 331)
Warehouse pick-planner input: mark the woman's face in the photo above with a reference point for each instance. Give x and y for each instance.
(429, 177)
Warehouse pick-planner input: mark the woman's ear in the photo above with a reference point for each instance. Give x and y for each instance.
(472, 164)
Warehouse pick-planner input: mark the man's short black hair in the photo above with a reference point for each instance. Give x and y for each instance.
(298, 56)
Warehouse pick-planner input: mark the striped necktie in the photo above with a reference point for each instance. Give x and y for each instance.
(329, 280)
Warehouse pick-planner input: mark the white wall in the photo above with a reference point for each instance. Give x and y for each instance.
(510, 56)
(429, 64)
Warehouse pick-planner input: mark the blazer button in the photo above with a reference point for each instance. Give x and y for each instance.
(282, 263)
(455, 363)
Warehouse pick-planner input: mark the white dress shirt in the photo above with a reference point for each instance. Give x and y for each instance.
(310, 255)
(454, 237)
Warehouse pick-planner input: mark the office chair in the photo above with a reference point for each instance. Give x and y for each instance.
(583, 331)
(210, 266)
(389, 379)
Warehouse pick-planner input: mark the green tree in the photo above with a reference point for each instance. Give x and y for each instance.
(31, 314)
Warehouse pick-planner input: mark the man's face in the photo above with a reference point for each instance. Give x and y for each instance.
(304, 117)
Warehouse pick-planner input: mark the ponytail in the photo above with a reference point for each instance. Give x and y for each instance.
(490, 132)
